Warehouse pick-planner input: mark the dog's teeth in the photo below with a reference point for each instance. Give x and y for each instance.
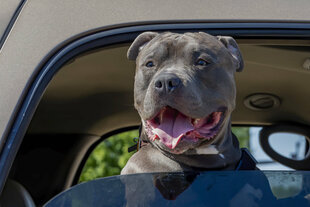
(197, 121)
(155, 136)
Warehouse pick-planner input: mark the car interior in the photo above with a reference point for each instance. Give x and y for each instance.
(91, 98)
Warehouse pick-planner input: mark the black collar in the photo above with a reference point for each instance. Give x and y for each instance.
(247, 161)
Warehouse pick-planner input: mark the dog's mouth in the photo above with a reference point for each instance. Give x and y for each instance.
(171, 126)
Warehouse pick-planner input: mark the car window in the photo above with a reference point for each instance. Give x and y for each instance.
(213, 188)
(111, 155)
(264, 160)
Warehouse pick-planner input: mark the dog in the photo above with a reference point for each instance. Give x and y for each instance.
(185, 92)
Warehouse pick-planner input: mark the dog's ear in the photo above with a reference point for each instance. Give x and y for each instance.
(139, 43)
(233, 48)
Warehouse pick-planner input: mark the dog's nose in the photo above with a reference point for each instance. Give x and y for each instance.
(167, 83)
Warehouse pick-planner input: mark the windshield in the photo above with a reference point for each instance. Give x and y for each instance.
(215, 188)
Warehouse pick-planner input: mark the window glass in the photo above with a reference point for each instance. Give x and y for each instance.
(214, 188)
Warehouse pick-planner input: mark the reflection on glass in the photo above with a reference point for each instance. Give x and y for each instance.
(289, 145)
(215, 188)
(285, 186)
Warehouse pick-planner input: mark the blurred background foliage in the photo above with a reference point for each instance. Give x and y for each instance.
(243, 135)
(111, 155)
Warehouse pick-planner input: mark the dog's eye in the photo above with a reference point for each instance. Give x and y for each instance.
(201, 62)
(149, 64)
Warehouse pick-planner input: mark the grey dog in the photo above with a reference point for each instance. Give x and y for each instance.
(185, 93)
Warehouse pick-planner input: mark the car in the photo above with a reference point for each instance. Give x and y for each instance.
(66, 85)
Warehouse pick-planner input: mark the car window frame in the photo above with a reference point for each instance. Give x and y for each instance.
(103, 38)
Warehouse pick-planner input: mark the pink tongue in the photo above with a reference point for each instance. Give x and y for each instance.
(173, 126)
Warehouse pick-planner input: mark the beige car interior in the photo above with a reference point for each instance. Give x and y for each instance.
(93, 94)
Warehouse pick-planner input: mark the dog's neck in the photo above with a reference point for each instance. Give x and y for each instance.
(223, 154)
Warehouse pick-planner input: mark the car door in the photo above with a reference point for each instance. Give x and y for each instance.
(44, 32)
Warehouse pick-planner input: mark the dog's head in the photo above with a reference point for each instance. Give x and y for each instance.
(184, 87)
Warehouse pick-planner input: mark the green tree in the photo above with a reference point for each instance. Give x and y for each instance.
(243, 135)
(109, 157)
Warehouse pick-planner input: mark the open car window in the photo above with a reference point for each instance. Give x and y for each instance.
(91, 95)
(110, 156)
